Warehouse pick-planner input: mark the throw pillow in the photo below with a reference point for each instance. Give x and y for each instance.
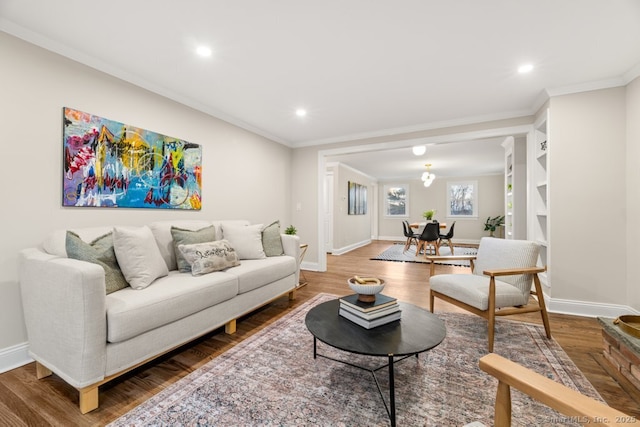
(138, 256)
(183, 236)
(208, 257)
(245, 239)
(99, 251)
(271, 240)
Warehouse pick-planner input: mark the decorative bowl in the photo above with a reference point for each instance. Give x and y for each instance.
(366, 291)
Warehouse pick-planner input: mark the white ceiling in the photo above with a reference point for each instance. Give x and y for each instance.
(360, 67)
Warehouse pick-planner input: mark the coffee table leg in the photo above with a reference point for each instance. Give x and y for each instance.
(392, 393)
(315, 347)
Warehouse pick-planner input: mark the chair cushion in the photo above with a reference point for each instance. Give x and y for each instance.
(474, 290)
(496, 253)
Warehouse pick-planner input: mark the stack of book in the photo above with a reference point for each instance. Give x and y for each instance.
(369, 315)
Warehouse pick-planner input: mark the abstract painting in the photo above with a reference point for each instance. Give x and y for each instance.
(110, 164)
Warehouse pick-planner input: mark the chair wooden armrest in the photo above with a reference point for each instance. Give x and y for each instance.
(433, 258)
(512, 271)
(579, 407)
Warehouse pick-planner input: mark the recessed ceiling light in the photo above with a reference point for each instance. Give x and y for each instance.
(203, 51)
(525, 68)
(301, 112)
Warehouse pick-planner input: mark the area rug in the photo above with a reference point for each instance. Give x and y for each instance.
(397, 253)
(271, 379)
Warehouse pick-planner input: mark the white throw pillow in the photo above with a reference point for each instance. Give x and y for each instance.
(138, 256)
(245, 239)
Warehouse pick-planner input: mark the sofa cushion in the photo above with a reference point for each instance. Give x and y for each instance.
(178, 295)
(209, 257)
(99, 251)
(271, 240)
(254, 273)
(182, 236)
(162, 233)
(246, 240)
(138, 256)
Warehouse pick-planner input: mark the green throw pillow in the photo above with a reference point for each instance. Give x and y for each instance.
(182, 236)
(100, 252)
(271, 240)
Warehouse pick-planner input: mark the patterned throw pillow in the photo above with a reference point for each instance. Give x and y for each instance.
(100, 251)
(271, 240)
(209, 257)
(182, 236)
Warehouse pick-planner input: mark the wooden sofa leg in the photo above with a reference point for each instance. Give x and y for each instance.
(42, 371)
(292, 295)
(230, 327)
(88, 398)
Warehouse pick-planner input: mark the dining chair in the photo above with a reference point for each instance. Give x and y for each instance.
(409, 234)
(499, 284)
(448, 236)
(429, 237)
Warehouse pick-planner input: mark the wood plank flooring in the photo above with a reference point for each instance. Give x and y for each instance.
(26, 401)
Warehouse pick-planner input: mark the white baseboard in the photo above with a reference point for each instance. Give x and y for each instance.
(587, 309)
(349, 248)
(14, 357)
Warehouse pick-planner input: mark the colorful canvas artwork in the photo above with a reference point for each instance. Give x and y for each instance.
(110, 164)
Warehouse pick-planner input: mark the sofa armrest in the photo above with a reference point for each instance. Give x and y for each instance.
(64, 306)
(291, 246)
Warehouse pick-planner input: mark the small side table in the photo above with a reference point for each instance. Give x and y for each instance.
(303, 250)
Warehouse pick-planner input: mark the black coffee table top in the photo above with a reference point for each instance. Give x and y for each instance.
(418, 330)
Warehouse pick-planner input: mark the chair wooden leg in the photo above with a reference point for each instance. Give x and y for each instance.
(431, 301)
(451, 246)
(502, 414)
(543, 306)
(492, 313)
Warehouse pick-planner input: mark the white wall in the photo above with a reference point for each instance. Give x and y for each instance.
(244, 175)
(350, 231)
(633, 193)
(490, 203)
(588, 231)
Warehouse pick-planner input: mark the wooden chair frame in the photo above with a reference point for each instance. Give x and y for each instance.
(491, 312)
(581, 408)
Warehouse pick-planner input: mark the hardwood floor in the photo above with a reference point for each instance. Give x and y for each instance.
(26, 401)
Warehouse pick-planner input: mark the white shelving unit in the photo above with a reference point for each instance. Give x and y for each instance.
(515, 199)
(538, 230)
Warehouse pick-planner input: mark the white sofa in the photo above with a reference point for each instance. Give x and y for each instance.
(87, 337)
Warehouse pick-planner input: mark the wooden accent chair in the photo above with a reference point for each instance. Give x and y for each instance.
(583, 409)
(429, 237)
(499, 284)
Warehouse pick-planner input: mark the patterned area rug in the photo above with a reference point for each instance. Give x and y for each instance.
(271, 379)
(397, 253)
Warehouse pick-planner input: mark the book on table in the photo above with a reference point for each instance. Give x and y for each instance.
(370, 315)
(369, 324)
(366, 307)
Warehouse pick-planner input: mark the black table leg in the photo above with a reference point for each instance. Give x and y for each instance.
(315, 347)
(392, 393)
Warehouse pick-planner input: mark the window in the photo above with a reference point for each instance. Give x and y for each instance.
(396, 200)
(462, 199)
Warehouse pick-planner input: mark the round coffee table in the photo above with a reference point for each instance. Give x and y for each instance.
(417, 331)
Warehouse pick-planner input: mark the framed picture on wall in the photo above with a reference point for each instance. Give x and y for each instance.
(357, 199)
(396, 200)
(462, 199)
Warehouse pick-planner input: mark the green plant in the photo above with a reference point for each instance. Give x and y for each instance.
(290, 230)
(492, 223)
(428, 215)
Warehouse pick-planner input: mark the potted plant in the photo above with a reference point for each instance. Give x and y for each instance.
(492, 223)
(291, 230)
(428, 215)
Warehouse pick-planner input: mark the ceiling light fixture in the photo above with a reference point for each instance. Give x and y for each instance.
(301, 112)
(203, 51)
(428, 177)
(525, 68)
(419, 150)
